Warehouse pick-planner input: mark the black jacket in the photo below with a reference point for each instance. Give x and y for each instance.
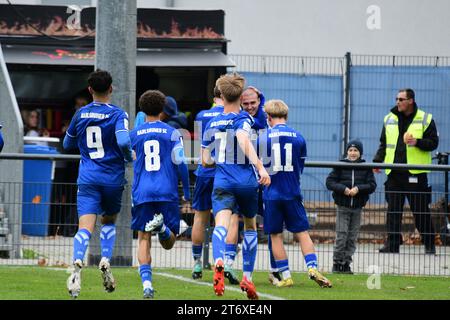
(341, 178)
(429, 141)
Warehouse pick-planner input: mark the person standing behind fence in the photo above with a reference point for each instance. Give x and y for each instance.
(100, 131)
(351, 188)
(285, 150)
(408, 136)
(159, 161)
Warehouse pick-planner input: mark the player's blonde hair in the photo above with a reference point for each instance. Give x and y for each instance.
(276, 109)
(231, 86)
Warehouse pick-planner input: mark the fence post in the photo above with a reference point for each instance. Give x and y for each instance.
(348, 64)
(206, 245)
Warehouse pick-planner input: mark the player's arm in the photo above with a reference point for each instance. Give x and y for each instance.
(183, 171)
(70, 139)
(123, 137)
(2, 143)
(207, 143)
(249, 151)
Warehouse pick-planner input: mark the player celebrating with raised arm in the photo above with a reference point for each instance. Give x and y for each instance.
(100, 131)
(159, 161)
(286, 149)
(235, 181)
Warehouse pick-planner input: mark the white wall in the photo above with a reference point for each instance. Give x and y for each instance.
(332, 27)
(325, 27)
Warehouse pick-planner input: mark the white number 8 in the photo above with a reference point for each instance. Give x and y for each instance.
(152, 159)
(94, 141)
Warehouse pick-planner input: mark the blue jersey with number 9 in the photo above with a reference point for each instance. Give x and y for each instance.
(95, 126)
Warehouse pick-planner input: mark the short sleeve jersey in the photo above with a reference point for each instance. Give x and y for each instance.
(95, 126)
(202, 119)
(283, 150)
(233, 168)
(155, 169)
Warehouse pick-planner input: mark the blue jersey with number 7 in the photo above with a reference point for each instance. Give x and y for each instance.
(102, 161)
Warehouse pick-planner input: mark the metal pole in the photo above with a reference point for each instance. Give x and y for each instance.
(115, 46)
(348, 62)
(12, 171)
(206, 245)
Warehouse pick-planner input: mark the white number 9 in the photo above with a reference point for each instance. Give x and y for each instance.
(94, 141)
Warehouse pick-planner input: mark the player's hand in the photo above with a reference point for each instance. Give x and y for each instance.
(133, 155)
(264, 177)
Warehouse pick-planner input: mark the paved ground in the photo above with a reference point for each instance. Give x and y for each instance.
(410, 260)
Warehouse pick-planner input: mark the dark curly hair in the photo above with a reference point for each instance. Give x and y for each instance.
(152, 102)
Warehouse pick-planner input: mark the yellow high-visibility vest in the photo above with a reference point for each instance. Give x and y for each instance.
(417, 127)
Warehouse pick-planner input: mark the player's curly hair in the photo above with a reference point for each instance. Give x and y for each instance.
(276, 109)
(231, 86)
(100, 81)
(152, 102)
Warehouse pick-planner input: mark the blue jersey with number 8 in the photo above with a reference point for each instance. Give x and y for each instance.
(95, 126)
(155, 167)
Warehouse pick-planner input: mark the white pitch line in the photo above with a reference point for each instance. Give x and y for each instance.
(201, 283)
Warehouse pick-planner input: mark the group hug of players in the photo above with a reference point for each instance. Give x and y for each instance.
(237, 174)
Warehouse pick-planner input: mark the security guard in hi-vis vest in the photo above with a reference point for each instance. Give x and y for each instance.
(408, 136)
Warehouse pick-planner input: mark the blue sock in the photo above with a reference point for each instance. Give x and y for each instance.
(218, 242)
(164, 233)
(230, 253)
(311, 261)
(197, 251)
(282, 265)
(249, 249)
(107, 239)
(273, 264)
(145, 272)
(80, 244)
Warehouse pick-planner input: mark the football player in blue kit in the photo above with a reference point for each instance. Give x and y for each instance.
(159, 163)
(100, 131)
(235, 182)
(285, 150)
(202, 204)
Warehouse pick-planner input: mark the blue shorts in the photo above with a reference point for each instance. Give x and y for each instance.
(143, 213)
(96, 199)
(201, 201)
(242, 200)
(290, 212)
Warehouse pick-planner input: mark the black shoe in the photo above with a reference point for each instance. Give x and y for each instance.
(388, 249)
(346, 268)
(337, 268)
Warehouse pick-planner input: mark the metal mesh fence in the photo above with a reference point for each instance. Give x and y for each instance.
(48, 228)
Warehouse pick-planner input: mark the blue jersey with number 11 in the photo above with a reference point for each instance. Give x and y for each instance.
(155, 168)
(95, 127)
(284, 151)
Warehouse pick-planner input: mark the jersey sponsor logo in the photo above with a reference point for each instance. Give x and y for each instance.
(94, 115)
(282, 134)
(221, 123)
(151, 130)
(211, 114)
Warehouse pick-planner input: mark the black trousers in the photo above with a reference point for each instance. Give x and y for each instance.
(399, 187)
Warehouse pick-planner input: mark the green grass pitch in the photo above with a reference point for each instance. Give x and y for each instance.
(40, 283)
